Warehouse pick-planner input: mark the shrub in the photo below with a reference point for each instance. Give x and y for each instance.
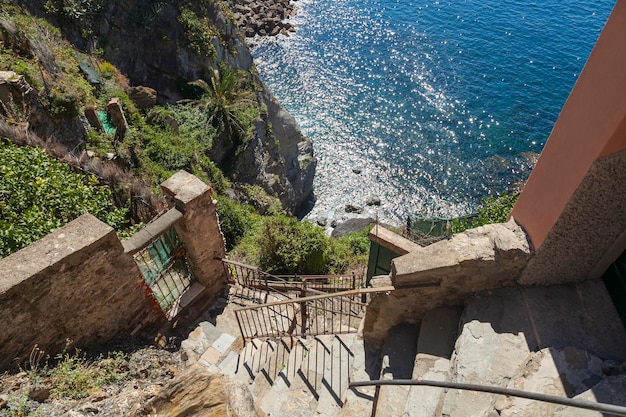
(492, 210)
(235, 220)
(287, 246)
(39, 194)
(349, 253)
(107, 69)
(74, 377)
(199, 31)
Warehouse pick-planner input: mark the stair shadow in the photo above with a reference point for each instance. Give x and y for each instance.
(249, 367)
(373, 367)
(400, 350)
(336, 368)
(285, 352)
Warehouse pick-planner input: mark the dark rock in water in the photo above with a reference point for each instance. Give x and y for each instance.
(530, 158)
(262, 17)
(351, 226)
(350, 208)
(356, 170)
(373, 201)
(322, 221)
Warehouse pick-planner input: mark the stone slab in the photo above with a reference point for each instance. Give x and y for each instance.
(366, 366)
(272, 401)
(336, 373)
(580, 315)
(425, 401)
(210, 356)
(223, 342)
(398, 362)
(496, 337)
(612, 390)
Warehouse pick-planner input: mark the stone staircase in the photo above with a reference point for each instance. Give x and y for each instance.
(309, 376)
(484, 342)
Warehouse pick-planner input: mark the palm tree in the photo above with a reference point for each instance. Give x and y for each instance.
(226, 101)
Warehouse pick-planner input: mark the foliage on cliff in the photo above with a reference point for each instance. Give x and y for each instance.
(39, 194)
(492, 210)
(281, 244)
(203, 134)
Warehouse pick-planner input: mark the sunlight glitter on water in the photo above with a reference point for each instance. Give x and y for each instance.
(432, 102)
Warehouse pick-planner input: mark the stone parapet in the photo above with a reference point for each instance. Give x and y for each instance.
(392, 241)
(74, 284)
(199, 229)
(445, 273)
(488, 256)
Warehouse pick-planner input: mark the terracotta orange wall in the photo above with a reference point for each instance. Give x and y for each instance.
(592, 124)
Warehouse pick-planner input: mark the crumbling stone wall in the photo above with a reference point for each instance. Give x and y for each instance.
(445, 274)
(75, 284)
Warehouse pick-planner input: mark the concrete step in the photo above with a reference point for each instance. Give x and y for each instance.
(198, 341)
(366, 366)
(336, 375)
(253, 358)
(269, 371)
(398, 361)
(219, 350)
(302, 397)
(274, 398)
(435, 344)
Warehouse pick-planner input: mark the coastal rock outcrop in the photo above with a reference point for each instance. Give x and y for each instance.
(263, 17)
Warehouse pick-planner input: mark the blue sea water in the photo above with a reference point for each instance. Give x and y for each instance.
(429, 105)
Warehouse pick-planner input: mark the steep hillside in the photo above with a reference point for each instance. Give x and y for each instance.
(165, 45)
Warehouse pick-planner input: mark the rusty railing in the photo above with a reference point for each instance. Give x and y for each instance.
(336, 313)
(328, 283)
(253, 277)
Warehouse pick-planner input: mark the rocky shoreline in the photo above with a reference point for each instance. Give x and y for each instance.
(263, 17)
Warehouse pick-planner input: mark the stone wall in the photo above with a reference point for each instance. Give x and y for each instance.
(75, 284)
(588, 229)
(80, 283)
(199, 229)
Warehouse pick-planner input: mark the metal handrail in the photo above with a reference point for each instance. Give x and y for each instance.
(570, 402)
(260, 279)
(284, 318)
(303, 284)
(358, 291)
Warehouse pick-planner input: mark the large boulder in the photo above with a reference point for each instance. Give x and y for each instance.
(199, 393)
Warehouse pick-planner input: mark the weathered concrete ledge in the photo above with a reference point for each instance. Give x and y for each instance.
(151, 231)
(494, 253)
(445, 273)
(392, 241)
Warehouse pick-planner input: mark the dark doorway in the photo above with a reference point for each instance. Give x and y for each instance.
(615, 281)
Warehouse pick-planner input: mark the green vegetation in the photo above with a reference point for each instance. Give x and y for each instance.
(492, 210)
(229, 102)
(39, 53)
(67, 376)
(74, 377)
(287, 246)
(39, 194)
(221, 112)
(199, 31)
(236, 220)
(281, 244)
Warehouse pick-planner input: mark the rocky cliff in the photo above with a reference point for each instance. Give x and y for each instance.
(165, 45)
